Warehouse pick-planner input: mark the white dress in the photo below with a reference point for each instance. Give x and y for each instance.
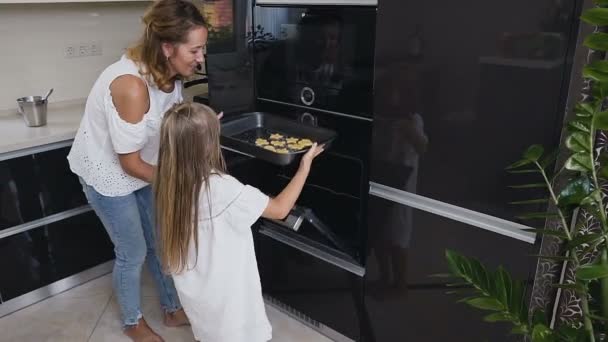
(220, 291)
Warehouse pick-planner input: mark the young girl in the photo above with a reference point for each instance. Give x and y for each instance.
(205, 219)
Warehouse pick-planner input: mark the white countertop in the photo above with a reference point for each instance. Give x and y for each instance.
(63, 119)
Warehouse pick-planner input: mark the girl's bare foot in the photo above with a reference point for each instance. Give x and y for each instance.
(176, 319)
(142, 332)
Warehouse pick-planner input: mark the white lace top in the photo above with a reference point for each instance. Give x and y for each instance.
(103, 134)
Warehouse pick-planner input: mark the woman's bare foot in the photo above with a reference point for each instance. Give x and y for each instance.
(142, 333)
(176, 319)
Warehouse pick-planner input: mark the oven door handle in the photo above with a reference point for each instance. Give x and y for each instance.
(299, 214)
(312, 248)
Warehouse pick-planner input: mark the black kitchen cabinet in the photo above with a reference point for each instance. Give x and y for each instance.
(43, 255)
(37, 185)
(406, 247)
(462, 89)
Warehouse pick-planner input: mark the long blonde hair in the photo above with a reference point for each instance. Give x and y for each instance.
(189, 153)
(166, 21)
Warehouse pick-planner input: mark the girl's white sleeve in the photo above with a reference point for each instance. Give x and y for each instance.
(247, 207)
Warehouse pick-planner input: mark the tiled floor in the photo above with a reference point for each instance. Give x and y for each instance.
(90, 313)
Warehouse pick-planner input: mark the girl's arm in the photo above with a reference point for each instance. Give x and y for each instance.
(279, 207)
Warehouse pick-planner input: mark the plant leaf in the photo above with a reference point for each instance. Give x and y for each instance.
(533, 153)
(592, 272)
(598, 318)
(583, 239)
(539, 215)
(502, 281)
(574, 192)
(485, 303)
(553, 232)
(520, 330)
(534, 201)
(539, 317)
(600, 120)
(604, 171)
(579, 125)
(441, 275)
(571, 334)
(519, 163)
(542, 333)
(584, 109)
(553, 257)
(498, 317)
(597, 41)
(596, 71)
(579, 142)
(573, 287)
(524, 171)
(594, 198)
(528, 186)
(579, 162)
(596, 16)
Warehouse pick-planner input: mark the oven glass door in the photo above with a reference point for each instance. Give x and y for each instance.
(315, 57)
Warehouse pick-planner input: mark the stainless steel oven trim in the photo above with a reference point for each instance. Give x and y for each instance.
(473, 218)
(313, 251)
(36, 149)
(44, 221)
(317, 109)
(304, 319)
(319, 2)
(55, 288)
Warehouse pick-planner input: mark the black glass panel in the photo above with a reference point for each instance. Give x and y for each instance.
(405, 248)
(37, 185)
(461, 91)
(41, 256)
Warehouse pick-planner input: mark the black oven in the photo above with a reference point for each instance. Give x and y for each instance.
(314, 65)
(315, 56)
(316, 270)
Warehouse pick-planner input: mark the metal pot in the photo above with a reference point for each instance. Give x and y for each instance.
(33, 110)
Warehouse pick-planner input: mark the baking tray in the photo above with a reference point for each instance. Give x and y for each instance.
(240, 133)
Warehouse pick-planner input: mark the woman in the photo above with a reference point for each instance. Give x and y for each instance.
(116, 147)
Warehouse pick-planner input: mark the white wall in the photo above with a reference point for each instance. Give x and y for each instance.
(32, 41)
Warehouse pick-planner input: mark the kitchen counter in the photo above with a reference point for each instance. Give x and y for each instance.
(63, 119)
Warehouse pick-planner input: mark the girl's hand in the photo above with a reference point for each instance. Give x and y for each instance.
(312, 153)
(220, 115)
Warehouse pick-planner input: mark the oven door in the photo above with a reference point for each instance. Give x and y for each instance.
(315, 57)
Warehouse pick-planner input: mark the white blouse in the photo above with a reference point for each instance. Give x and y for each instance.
(103, 134)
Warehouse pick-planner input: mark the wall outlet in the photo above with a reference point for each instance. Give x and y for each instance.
(84, 50)
(96, 48)
(69, 51)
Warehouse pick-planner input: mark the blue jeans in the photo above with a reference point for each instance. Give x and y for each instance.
(129, 221)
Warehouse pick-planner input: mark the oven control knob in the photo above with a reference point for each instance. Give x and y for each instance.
(307, 95)
(308, 119)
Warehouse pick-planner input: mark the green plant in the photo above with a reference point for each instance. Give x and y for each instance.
(579, 187)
